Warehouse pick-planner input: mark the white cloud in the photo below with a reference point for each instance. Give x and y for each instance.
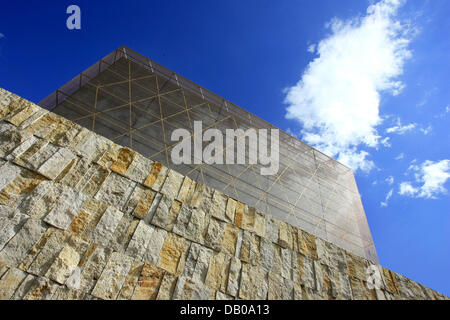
(338, 96)
(385, 142)
(401, 129)
(386, 200)
(312, 48)
(426, 130)
(430, 177)
(2, 35)
(400, 156)
(447, 109)
(406, 189)
(390, 180)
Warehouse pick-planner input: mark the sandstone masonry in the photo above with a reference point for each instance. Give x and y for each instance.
(84, 218)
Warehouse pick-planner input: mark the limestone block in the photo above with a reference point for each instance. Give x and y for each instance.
(139, 168)
(260, 224)
(172, 252)
(37, 159)
(93, 180)
(140, 240)
(38, 246)
(110, 155)
(49, 252)
(27, 110)
(356, 266)
(167, 287)
(56, 164)
(186, 186)
(215, 234)
(63, 293)
(130, 283)
(63, 133)
(307, 244)
(330, 255)
(115, 190)
(187, 289)
(18, 247)
(230, 239)
(66, 209)
(93, 264)
(107, 225)
(304, 271)
(272, 229)
(29, 282)
(149, 282)
(172, 184)
(285, 237)
(13, 194)
(166, 213)
(197, 226)
(123, 161)
(10, 282)
(121, 237)
(6, 99)
(280, 288)
(267, 251)
(10, 225)
(182, 222)
(89, 145)
(113, 277)
(231, 209)
(64, 265)
(218, 206)
(40, 289)
(248, 218)
(153, 251)
(144, 204)
(254, 283)
(21, 148)
(217, 274)
(156, 177)
(389, 281)
(33, 118)
(239, 214)
(250, 248)
(197, 262)
(234, 277)
(8, 173)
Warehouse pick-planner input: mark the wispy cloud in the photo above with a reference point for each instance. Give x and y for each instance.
(337, 99)
(400, 156)
(386, 200)
(312, 48)
(385, 142)
(2, 35)
(390, 180)
(401, 129)
(406, 189)
(426, 130)
(430, 179)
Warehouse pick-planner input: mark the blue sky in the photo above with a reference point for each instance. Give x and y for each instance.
(366, 84)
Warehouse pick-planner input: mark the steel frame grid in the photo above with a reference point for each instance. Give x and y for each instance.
(351, 233)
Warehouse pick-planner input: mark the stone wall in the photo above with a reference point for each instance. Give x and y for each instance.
(84, 218)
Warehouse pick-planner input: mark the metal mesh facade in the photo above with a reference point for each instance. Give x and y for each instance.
(138, 103)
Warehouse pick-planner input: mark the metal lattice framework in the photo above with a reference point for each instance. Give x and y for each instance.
(136, 102)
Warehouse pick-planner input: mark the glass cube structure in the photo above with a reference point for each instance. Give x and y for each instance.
(137, 103)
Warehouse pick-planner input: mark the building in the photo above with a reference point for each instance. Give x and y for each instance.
(138, 103)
